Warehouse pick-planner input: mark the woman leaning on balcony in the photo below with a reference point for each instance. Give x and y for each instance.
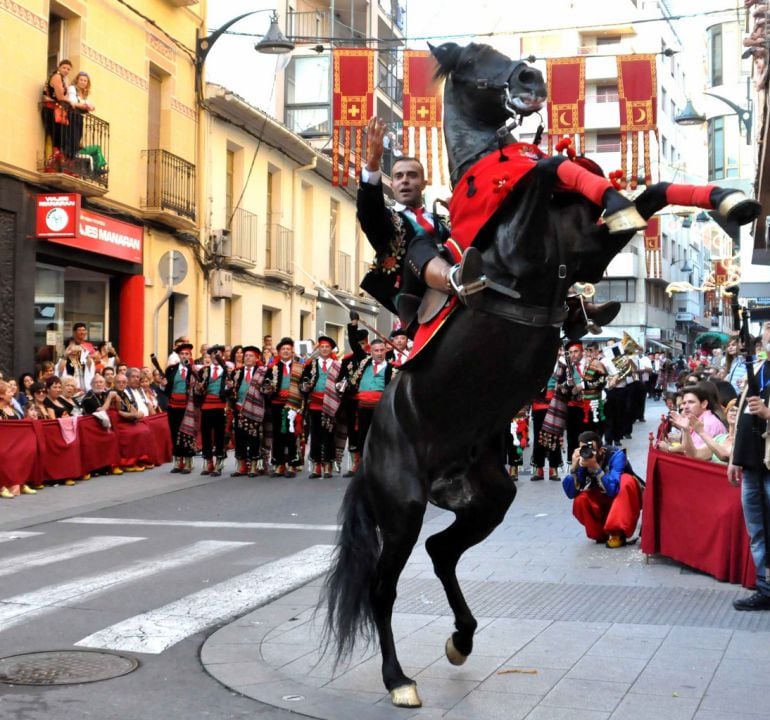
(78, 94)
(56, 110)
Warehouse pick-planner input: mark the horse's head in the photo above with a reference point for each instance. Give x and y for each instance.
(489, 85)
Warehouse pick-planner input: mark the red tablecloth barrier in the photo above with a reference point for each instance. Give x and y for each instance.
(36, 450)
(58, 459)
(98, 446)
(694, 516)
(134, 438)
(161, 435)
(18, 449)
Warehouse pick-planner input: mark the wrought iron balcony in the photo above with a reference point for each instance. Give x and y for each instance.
(342, 279)
(242, 250)
(170, 188)
(77, 148)
(279, 252)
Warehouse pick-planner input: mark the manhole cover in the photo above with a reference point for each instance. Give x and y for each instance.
(64, 667)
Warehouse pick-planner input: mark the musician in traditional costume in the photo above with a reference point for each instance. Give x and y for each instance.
(369, 382)
(546, 445)
(573, 388)
(345, 427)
(179, 390)
(594, 380)
(248, 412)
(319, 385)
(516, 441)
(399, 352)
(285, 408)
(212, 392)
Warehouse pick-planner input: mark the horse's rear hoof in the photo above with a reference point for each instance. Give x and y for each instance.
(453, 654)
(624, 220)
(405, 696)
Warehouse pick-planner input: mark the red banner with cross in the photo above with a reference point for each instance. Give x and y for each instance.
(652, 247)
(638, 99)
(352, 106)
(423, 108)
(567, 101)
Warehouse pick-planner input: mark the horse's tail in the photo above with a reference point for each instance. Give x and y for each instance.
(349, 612)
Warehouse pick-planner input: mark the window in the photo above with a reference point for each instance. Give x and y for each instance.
(716, 133)
(607, 142)
(663, 101)
(308, 96)
(715, 55)
(604, 40)
(664, 148)
(334, 231)
(620, 290)
(607, 93)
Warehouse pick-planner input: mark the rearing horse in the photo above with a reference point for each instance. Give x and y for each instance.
(437, 434)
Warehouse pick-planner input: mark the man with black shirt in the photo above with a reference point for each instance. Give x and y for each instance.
(750, 465)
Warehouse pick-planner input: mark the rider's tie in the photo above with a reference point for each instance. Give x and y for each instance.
(422, 221)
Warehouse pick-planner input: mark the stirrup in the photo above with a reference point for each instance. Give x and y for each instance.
(467, 279)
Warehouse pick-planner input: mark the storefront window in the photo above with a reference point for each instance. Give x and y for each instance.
(64, 296)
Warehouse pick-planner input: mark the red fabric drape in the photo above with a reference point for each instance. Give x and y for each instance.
(566, 100)
(638, 97)
(162, 446)
(58, 460)
(18, 448)
(98, 446)
(652, 247)
(694, 516)
(352, 106)
(134, 439)
(423, 108)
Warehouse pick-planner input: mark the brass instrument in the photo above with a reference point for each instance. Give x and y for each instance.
(623, 361)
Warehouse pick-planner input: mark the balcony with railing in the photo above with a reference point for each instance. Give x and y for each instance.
(76, 151)
(242, 242)
(389, 83)
(170, 195)
(279, 252)
(342, 276)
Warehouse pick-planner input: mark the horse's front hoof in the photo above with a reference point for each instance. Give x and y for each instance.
(453, 654)
(739, 209)
(405, 696)
(624, 220)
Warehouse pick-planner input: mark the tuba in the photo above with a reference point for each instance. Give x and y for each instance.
(622, 359)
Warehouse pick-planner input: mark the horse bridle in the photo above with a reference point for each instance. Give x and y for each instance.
(501, 134)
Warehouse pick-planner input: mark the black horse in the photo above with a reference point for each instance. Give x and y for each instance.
(437, 434)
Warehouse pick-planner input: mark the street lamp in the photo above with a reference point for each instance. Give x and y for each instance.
(690, 116)
(273, 42)
(686, 267)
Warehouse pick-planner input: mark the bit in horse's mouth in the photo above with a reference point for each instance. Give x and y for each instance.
(527, 104)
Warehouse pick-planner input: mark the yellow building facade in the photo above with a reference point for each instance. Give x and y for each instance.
(82, 234)
(195, 216)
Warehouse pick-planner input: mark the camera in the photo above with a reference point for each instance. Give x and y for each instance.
(587, 451)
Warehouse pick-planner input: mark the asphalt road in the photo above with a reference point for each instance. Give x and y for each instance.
(72, 579)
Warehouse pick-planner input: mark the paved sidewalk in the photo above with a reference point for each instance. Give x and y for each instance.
(568, 630)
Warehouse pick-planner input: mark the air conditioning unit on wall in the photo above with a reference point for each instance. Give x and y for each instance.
(221, 284)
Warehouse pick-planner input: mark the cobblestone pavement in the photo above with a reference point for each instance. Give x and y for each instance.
(568, 629)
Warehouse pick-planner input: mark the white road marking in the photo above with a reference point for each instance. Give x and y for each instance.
(199, 524)
(20, 608)
(15, 563)
(155, 631)
(15, 535)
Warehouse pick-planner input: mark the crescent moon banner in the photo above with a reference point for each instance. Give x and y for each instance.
(638, 102)
(566, 100)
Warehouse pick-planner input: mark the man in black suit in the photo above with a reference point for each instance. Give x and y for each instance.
(406, 237)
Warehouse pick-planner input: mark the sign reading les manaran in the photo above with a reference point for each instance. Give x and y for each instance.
(60, 219)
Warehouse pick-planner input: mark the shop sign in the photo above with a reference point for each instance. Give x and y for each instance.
(90, 231)
(57, 215)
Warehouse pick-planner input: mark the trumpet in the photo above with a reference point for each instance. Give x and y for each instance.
(622, 360)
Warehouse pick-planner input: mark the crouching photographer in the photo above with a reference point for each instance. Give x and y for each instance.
(606, 495)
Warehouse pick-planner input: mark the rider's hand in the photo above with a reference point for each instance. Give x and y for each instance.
(375, 133)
